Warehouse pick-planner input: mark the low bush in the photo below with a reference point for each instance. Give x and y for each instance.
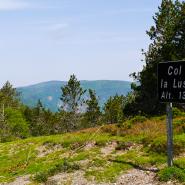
(172, 173)
(158, 118)
(101, 143)
(41, 177)
(177, 112)
(148, 129)
(159, 145)
(63, 166)
(179, 122)
(123, 145)
(179, 125)
(137, 119)
(111, 129)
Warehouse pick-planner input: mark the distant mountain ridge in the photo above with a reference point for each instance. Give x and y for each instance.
(49, 92)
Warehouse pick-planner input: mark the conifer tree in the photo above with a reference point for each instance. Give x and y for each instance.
(93, 113)
(9, 97)
(167, 44)
(72, 101)
(113, 109)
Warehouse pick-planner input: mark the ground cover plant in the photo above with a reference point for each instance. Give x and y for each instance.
(102, 153)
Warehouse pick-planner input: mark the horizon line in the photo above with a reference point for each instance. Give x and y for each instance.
(67, 81)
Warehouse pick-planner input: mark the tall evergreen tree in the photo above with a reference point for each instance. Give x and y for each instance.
(12, 123)
(9, 97)
(167, 44)
(72, 102)
(93, 113)
(35, 117)
(72, 95)
(113, 109)
(41, 121)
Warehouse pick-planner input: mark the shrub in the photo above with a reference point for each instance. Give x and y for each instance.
(76, 145)
(41, 177)
(111, 129)
(177, 112)
(179, 125)
(123, 145)
(15, 126)
(172, 173)
(158, 118)
(66, 167)
(101, 143)
(179, 122)
(159, 145)
(148, 129)
(137, 119)
(63, 166)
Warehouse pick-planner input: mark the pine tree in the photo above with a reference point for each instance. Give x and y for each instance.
(10, 105)
(167, 44)
(93, 113)
(35, 117)
(113, 109)
(72, 102)
(9, 97)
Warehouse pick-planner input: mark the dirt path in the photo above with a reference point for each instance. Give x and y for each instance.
(24, 180)
(132, 177)
(139, 177)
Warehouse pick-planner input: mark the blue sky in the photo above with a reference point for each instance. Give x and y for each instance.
(42, 40)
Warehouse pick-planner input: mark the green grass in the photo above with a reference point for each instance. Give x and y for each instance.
(65, 153)
(62, 166)
(141, 159)
(109, 173)
(172, 173)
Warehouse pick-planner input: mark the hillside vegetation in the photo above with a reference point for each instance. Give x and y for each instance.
(123, 142)
(96, 155)
(49, 92)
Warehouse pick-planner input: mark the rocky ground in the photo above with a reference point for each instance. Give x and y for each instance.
(101, 160)
(131, 177)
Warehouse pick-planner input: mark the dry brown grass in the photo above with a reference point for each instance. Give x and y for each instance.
(148, 128)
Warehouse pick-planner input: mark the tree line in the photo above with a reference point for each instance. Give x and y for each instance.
(77, 111)
(167, 37)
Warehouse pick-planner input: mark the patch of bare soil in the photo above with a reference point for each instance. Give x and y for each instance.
(89, 145)
(127, 147)
(23, 180)
(44, 150)
(109, 148)
(132, 177)
(139, 177)
(76, 178)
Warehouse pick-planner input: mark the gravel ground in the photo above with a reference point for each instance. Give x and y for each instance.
(24, 180)
(132, 177)
(139, 177)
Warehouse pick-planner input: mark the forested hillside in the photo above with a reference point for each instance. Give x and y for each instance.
(49, 92)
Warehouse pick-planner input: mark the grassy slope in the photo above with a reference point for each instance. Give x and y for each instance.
(108, 152)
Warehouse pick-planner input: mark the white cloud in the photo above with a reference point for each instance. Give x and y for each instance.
(8, 5)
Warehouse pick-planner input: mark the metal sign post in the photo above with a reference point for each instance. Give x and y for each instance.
(169, 123)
